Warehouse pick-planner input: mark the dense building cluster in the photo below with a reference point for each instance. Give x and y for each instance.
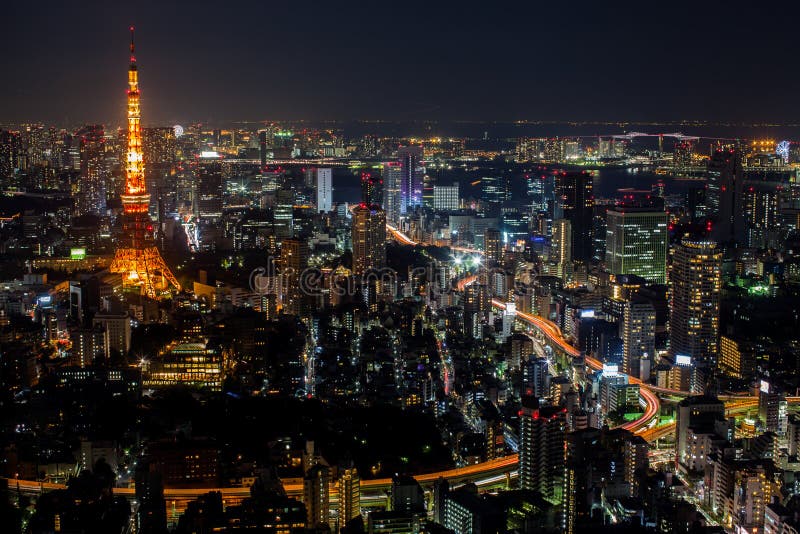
(290, 328)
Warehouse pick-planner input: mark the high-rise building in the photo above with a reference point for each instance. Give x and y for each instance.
(542, 451)
(209, 188)
(493, 245)
(446, 197)
(151, 514)
(737, 358)
(349, 490)
(694, 412)
(772, 408)
(371, 189)
(696, 280)
(575, 202)
(561, 248)
(392, 193)
(294, 261)
(324, 188)
(468, 512)
(636, 242)
(116, 332)
(638, 333)
(407, 496)
(410, 158)
(598, 460)
(9, 145)
(160, 153)
(477, 304)
(317, 495)
(369, 239)
(91, 197)
(760, 203)
(724, 196)
(262, 147)
(682, 154)
(283, 214)
(138, 260)
(494, 190)
(536, 378)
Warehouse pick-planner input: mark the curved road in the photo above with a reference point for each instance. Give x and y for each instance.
(485, 474)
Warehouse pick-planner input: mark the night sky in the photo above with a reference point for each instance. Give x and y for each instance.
(65, 62)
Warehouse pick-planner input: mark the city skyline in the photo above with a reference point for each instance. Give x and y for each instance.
(283, 327)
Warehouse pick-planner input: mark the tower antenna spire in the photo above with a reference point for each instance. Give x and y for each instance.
(132, 45)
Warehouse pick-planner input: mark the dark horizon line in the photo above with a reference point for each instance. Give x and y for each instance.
(521, 122)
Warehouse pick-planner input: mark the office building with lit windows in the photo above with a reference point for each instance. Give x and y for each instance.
(185, 364)
(392, 178)
(446, 197)
(371, 188)
(412, 174)
(636, 242)
(561, 248)
(638, 333)
(736, 357)
(695, 305)
(575, 202)
(324, 186)
(369, 239)
(349, 491)
(542, 453)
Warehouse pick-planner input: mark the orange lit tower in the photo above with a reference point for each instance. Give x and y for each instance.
(137, 259)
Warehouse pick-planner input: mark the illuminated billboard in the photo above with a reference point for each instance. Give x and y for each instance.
(610, 369)
(77, 253)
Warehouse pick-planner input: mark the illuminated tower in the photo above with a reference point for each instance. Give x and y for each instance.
(138, 260)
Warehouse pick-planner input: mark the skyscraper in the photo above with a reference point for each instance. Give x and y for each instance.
(349, 489)
(208, 189)
(696, 284)
(283, 214)
(369, 239)
(324, 190)
(493, 245)
(446, 197)
(160, 152)
(392, 193)
(682, 154)
(294, 260)
(636, 242)
(760, 203)
(317, 494)
(561, 248)
(371, 188)
(542, 452)
(410, 158)
(724, 195)
(694, 411)
(575, 202)
(138, 260)
(92, 195)
(638, 333)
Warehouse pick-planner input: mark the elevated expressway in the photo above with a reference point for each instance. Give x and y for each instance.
(491, 474)
(646, 425)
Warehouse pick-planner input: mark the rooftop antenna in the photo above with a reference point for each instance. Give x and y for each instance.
(133, 58)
